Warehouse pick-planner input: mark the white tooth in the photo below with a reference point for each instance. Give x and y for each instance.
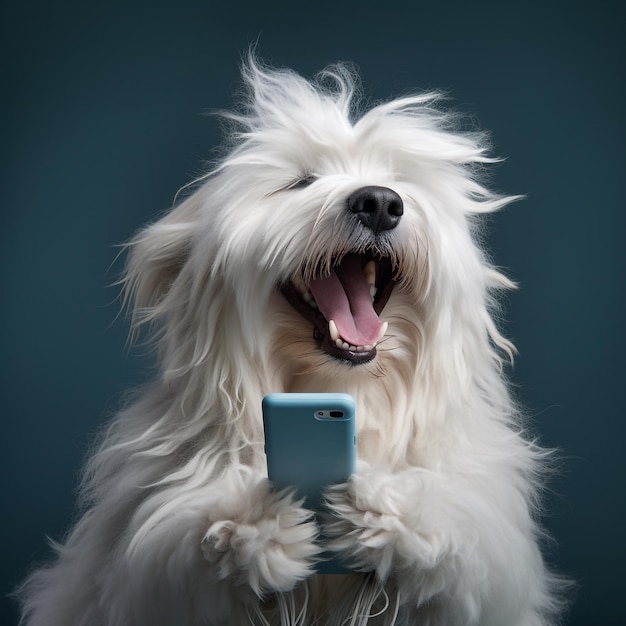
(307, 297)
(383, 331)
(339, 343)
(332, 329)
(360, 348)
(370, 272)
(367, 347)
(372, 291)
(298, 283)
(345, 345)
(352, 348)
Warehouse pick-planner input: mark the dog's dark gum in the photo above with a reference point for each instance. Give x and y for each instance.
(353, 358)
(385, 282)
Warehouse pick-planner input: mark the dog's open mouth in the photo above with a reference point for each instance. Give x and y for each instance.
(344, 305)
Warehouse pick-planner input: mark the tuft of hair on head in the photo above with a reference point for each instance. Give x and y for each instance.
(268, 91)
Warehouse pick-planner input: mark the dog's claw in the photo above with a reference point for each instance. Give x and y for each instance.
(217, 540)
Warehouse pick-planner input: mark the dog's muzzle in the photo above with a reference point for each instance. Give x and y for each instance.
(344, 304)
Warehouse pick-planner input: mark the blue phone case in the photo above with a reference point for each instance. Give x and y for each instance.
(310, 446)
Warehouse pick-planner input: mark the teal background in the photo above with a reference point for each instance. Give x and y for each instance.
(102, 121)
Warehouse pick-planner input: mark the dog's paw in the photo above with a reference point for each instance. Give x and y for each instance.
(390, 523)
(270, 545)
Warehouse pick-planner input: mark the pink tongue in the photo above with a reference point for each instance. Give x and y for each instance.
(344, 297)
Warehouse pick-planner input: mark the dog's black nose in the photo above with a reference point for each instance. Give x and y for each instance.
(378, 208)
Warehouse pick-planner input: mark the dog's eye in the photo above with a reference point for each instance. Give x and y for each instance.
(303, 182)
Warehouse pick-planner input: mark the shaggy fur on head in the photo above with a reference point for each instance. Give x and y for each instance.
(179, 524)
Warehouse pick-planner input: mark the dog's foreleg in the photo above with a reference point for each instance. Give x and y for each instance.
(184, 554)
(266, 540)
(463, 549)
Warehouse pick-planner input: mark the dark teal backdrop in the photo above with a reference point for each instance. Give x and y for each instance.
(102, 122)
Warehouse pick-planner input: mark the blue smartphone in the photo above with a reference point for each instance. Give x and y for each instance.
(310, 444)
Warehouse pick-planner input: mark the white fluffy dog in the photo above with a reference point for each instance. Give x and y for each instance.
(326, 252)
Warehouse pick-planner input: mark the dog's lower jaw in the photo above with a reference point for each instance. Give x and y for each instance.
(346, 355)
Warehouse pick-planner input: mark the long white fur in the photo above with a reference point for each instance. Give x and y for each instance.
(179, 525)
